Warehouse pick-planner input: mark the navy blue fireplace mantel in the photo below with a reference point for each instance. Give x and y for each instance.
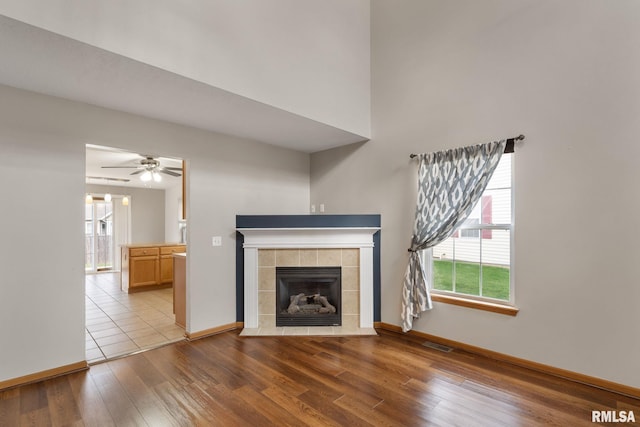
(305, 221)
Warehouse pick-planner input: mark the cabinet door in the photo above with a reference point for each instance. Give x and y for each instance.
(166, 268)
(166, 262)
(180, 291)
(143, 270)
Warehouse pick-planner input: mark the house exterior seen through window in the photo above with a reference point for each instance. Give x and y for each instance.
(98, 232)
(476, 260)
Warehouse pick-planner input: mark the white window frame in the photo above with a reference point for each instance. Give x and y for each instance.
(428, 256)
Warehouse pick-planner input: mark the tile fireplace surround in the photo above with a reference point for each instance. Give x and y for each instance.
(350, 248)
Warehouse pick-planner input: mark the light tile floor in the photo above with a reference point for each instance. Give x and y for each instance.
(118, 323)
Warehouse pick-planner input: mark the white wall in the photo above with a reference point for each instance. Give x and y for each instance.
(42, 250)
(147, 216)
(172, 212)
(565, 73)
(303, 56)
(147, 211)
(42, 146)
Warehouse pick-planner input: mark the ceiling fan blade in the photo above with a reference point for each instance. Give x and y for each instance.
(168, 172)
(172, 169)
(108, 179)
(120, 167)
(137, 172)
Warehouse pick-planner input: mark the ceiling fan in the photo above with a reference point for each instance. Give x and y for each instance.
(150, 169)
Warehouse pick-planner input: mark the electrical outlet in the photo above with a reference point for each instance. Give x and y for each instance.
(321, 207)
(216, 241)
(313, 208)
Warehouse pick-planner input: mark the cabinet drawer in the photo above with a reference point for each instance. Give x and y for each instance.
(168, 250)
(143, 252)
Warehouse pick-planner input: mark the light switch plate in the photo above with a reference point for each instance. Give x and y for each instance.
(216, 241)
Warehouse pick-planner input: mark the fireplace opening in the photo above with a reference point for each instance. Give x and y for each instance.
(308, 296)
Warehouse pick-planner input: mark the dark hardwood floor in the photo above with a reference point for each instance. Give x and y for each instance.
(389, 380)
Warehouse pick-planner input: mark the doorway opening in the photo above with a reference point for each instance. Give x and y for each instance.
(132, 199)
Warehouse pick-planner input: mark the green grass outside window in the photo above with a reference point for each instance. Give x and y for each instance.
(495, 280)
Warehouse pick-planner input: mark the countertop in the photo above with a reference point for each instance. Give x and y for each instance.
(150, 245)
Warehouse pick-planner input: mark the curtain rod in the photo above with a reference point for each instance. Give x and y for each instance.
(509, 148)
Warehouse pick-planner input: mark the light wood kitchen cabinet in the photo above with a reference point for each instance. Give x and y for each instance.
(180, 288)
(146, 267)
(143, 271)
(166, 262)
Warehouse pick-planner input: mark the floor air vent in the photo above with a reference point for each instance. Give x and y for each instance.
(439, 347)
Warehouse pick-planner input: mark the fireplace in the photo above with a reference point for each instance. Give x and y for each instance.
(308, 296)
(272, 242)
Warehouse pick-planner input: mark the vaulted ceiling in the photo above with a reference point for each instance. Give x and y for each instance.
(42, 61)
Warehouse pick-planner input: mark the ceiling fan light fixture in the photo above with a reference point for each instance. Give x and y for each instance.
(107, 197)
(149, 169)
(125, 201)
(88, 199)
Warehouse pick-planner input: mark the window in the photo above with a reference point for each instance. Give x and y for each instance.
(99, 238)
(467, 230)
(475, 262)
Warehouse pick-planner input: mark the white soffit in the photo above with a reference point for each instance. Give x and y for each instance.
(41, 61)
(97, 157)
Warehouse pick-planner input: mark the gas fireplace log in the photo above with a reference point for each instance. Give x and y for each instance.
(327, 308)
(296, 302)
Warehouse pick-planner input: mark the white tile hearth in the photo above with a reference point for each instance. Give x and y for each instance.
(308, 331)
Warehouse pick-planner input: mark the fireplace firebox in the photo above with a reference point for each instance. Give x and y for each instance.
(308, 296)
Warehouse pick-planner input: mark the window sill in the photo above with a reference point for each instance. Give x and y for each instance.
(478, 305)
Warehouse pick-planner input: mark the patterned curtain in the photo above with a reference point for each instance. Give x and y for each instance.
(450, 184)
